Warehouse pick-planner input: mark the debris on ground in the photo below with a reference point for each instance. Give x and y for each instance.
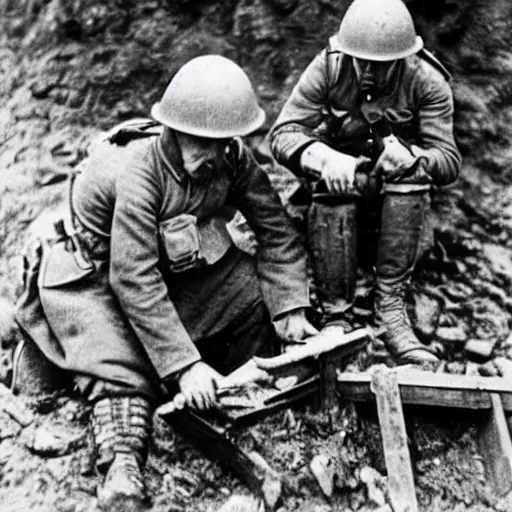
(71, 68)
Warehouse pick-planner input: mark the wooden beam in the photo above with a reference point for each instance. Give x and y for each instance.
(432, 389)
(394, 439)
(496, 447)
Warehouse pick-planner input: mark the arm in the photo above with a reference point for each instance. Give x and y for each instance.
(301, 114)
(436, 142)
(135, 276)
(281, 259)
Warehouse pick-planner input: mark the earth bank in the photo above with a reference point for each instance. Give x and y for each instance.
(71, 68)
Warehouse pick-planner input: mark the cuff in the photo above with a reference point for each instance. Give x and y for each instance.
(176, 371)
(288, 308)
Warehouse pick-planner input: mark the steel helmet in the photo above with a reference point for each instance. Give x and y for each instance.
(379, 30)
(210, 96)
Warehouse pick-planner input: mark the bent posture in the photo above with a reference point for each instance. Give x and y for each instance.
(147, 294)
(370, 125)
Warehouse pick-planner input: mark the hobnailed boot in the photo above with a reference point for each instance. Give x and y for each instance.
(121, 428)
(331, 233)
(403, 220)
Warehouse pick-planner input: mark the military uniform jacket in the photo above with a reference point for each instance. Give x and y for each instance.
(419, 110)
(130, 205)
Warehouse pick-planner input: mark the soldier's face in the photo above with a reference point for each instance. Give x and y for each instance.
(202, 157)
(379, 74)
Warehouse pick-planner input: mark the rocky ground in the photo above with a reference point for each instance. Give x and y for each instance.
(70, 68)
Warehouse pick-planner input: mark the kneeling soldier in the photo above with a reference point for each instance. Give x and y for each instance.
(146, 292)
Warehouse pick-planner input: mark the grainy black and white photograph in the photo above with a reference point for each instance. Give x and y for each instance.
(255, 256)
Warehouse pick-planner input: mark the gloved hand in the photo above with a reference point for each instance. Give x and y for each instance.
(394, 161)
(294, 326)
(337, 169)
(198, 384)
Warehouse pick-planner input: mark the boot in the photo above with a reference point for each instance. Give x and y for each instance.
(121, 427)
(331, 233)
(403, 220)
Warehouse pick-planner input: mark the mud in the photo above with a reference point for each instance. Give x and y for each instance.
(71, 68)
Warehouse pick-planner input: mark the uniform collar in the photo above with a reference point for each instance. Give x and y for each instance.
(171, 158)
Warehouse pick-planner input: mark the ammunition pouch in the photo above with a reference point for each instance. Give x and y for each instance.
(188, 245)
(64, 261)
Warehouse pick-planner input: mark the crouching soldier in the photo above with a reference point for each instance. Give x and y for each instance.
(144, 291)
(370, 125)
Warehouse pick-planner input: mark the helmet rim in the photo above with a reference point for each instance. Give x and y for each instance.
(418, 45)
(198, 131)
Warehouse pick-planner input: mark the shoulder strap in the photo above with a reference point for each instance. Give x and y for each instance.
(332, 62)
(125, 132)
(434, 61)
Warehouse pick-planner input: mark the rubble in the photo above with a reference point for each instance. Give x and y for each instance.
(426, 314)
(242, 504)
(51, 440)
(14, 407)
(374, 482)
(452, 335)
(480, 348)
(322, 468)
(70, 68)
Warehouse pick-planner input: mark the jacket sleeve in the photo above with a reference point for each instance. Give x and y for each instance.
(301, 114)
(281, 258)
(435, 117)
(136, 278)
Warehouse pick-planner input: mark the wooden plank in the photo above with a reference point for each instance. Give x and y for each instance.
(394, 439)
(442, 390)
(418, 378)
(496, 448)
(328, 385)
(331, 342)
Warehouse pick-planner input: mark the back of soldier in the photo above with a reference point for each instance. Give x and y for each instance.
(94, 185)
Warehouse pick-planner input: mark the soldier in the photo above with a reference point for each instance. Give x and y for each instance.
(370, 124)
(146, 292)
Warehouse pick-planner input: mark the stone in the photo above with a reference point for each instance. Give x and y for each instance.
(272, 485)
(15, 407)
(489, 369)
(504, 366)
(51, 440)
(479, 348)
(452, 335)
(238, 503)
(324, 472)
(373, 481)
(499, 259)
(455, 368)
(426, 313)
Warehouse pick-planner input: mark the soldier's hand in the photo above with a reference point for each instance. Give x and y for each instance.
(338, 170)
(198, 383)
(394, 160)
(294, 326)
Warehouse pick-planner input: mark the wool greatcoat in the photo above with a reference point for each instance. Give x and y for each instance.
(114, 310)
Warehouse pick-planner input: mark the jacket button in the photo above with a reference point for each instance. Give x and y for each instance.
(370, 142)
(369, 97)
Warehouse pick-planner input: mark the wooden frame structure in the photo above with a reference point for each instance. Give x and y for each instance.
(390, 388)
